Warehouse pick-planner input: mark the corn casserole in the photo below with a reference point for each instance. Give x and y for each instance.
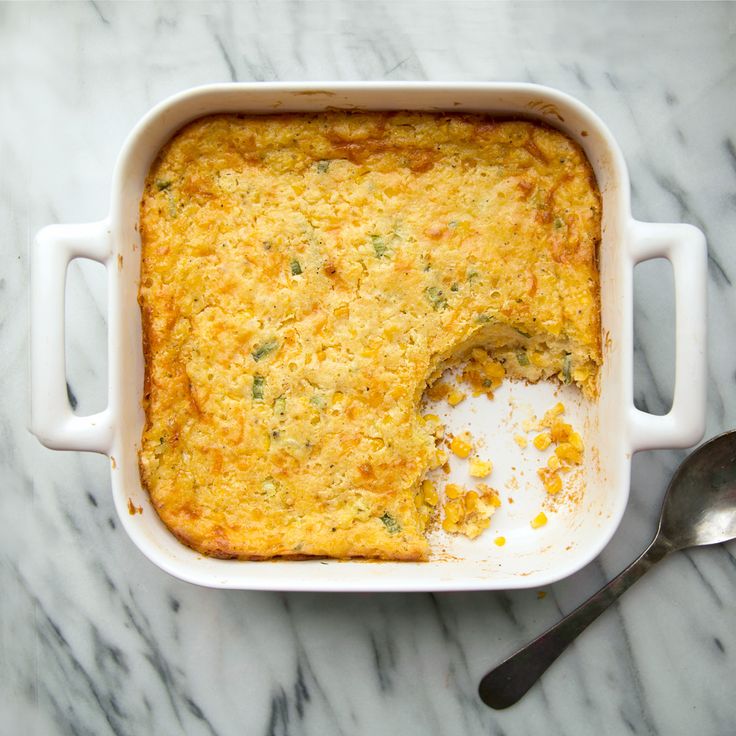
(304, 279)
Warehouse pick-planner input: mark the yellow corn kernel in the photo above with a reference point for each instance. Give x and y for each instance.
(553, 462)
(537, 359)
(337, 397)
(342, 311)
(521, 440)
(553, 484)
(568, 454)
(542, 441)
(429, 491)
(539, 520)
(419, 500)
(461, 447)
(452, 490)
(560, 431)
(431, 418)
(576, 441)
(454, 511)
(499, 541)
(471, 501)
(455, 397)
(480, 468)
(321, 355)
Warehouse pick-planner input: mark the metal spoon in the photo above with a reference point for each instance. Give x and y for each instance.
(699, 509)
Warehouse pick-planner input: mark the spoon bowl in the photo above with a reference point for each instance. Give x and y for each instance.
(699, 509)
(700, 505)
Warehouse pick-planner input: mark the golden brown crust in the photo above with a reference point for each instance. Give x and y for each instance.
(303, 276)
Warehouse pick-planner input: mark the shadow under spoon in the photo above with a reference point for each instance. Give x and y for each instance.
(699, 509)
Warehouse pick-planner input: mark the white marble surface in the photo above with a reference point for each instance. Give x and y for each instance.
(95, 640)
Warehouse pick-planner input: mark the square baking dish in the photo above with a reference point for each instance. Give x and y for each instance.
(613, 429)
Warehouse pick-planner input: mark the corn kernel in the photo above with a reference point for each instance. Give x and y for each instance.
(480, 468)
(461, 447)
(471, 501)
(553, 484)
(337, 397)
(419, 500)
(499, 541)
(539, 520)
(542, 441)
(452, 490)
(433, 418)
(576, 441)
(429, 491)
(455, 397)
(553, 462)
(454, 510)
(377, 444)
(342, 311)
(521, 441)
(567, 453)
(560, 431)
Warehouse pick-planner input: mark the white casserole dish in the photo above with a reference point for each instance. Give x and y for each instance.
(612, 427)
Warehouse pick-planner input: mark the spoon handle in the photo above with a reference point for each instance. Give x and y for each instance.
(507, 683)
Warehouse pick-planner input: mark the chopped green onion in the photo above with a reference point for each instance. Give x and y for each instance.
(483, 319)
(296, 268)
(162, 184)
(390, 523)
(435, 298)
(452, 224)
(472, 275)
(266, 348)
(258, 383)
(279, 406)
(454, 287)
(379, 246)
(522, 357)
(322, 166)
(567, 368)
(521, 332)
(318, 401)
(558, 223)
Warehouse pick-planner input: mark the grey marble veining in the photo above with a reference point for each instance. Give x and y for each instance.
(95, 640)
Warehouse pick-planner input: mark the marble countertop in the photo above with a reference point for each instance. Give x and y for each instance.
(94, 639)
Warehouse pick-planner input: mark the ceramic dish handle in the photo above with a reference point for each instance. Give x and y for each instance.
(684, 247)
(52, 419)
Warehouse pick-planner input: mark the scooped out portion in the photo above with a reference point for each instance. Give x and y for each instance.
(305, 278)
